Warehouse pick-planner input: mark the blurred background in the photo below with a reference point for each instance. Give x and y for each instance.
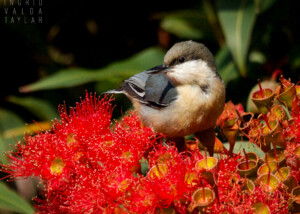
(53, 51)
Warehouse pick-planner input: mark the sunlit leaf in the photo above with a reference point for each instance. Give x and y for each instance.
(78, 76)
(237, 18)
(185, 24)
(10, 200)
(29, 128)
(249, 147)
(8, 120)
(226, 67)
(38, 107)
(257, 57)
(13, 128)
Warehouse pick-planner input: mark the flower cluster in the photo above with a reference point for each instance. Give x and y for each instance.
(88, 164)
(277, 175)
(84, 163)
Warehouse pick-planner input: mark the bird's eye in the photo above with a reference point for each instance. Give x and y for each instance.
(181, 59)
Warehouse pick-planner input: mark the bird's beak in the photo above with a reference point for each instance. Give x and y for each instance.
(157, 69)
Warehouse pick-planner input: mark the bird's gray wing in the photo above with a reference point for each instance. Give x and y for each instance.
(150, 87)
(159, 91)
(134, 86)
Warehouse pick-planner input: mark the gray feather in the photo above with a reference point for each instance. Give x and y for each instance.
(114, 91)
(150, 87)
(137, 84)
(159, 90)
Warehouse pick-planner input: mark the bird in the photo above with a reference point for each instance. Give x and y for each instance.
(183, 96)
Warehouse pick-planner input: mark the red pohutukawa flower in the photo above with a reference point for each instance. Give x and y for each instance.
(85, 164)
(169, 175)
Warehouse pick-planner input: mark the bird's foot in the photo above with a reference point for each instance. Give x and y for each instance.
(207, 139)
(179, 143)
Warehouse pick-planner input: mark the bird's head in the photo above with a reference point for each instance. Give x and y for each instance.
(189, 63)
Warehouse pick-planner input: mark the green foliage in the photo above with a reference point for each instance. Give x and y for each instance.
(226, 66)
(261, 5)
(10, 200)
(233, 20)
(186, 24)
(249, 147)
(8, 120)
(41, 108)
(237, 18)
(114, 72)
(144, 166)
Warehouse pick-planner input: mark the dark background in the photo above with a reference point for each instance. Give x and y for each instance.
(92, 34)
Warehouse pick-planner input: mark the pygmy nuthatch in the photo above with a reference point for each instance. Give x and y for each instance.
(183, 96)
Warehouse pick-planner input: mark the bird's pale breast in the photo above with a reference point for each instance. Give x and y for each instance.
(194, 110)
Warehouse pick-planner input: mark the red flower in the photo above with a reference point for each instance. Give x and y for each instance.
(85, 164)
(229, 114)
(88, 165)
(171, 176)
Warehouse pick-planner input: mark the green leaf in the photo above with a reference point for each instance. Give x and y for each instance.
(249, 147)
(28, 128)
(8, 120)
(212, 18)
(263, 5)
(181, 28)
(38, 107)
(144, 166)
(10, 200)
(118, 70)
(62, 79)
(185, 24)
(108, 84)
(257, 57)
(237, 18)
(3, 148)
(226, 67)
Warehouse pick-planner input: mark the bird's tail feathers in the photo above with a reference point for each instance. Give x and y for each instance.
(114, 91)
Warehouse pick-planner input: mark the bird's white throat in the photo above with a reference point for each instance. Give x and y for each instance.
(191, 72)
